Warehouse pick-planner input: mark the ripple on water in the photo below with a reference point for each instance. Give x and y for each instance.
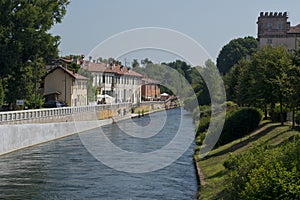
(63, 169)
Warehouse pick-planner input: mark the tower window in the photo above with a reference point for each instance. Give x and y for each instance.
(279, 25)
(269, 41)
(269, 26)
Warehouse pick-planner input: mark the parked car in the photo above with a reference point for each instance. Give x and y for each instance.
(54, 104)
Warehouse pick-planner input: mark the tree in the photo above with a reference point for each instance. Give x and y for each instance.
(231, 80)
(92, 90)
(74, 67)
(24, 36)
(234, 51)
(1, 94)
(135, 64)
(292, 92)
(146, 61)
(268, 71)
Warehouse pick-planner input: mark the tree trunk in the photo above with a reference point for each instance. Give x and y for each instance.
(266, 111)
(281, 114)
(293, 117)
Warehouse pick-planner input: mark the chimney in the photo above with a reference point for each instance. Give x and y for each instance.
(88, 67)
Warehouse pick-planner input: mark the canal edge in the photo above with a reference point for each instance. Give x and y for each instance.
(199, 175)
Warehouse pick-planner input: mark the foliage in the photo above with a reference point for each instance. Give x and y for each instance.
(234, 51)
(1, 94)
(146, 61)
(73, 67)
(298, 117)
(24, 36)
(91, 89)
(234, 92)
(269, 77)
(265, 172)
(239, 123)
(135, 64)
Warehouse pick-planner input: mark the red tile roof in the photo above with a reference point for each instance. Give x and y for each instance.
(73, 75)
(114, 69)
(294, 29)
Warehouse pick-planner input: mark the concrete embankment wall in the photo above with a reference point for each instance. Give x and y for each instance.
(21, 129)
(149, 106)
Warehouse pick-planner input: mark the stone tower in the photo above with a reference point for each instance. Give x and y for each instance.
(275, 30)
(273, 24)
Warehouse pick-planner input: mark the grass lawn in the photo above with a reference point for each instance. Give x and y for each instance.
(212, 165)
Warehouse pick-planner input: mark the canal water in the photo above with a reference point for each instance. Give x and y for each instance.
(64, 169)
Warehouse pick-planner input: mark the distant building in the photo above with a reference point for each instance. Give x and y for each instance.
(61, 84)
(119, 82)
(150, 89)
(275, 30)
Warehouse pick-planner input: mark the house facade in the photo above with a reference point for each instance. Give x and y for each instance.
(275, 30)
(150, 89)
(115, 81)
(61, 84)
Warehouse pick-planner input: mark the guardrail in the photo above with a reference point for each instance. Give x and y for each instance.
(56, 112)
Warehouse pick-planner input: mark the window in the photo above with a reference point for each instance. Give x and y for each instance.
(269, 26)
(279, 25)
(269, 41)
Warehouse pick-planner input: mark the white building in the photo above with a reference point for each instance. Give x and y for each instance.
(117, 81)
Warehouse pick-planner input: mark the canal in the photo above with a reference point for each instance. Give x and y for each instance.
(64, 169)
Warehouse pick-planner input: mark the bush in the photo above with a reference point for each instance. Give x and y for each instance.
(200, 138)
(265, 173)
(240, 123)
(202, 125)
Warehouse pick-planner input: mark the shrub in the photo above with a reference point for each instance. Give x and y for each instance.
(202, 125)
(265, 172)
(240, 123)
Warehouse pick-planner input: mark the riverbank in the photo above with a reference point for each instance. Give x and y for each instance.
(212, 173)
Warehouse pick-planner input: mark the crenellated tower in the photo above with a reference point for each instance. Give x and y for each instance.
(274, 29)
(273, 24)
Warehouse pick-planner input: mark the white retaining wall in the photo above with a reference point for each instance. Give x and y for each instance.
(15, 137)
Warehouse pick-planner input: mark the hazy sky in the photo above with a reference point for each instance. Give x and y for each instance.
(212, 23)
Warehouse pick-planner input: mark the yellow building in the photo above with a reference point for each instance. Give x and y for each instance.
(61, 84)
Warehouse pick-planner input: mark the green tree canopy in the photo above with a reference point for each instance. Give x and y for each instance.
(1, 94)
(24, 36)
(234, 51)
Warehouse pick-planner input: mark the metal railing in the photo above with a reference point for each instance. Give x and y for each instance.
(56, 112)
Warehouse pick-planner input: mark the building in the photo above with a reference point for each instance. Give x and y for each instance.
(61, 84)
(118, 82)
(275, 30)
(150, 89)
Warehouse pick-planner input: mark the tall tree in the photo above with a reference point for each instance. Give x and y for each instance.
(234, 51)
(24, 37)
(135, 64)
(269, 68)
(231, 80)
(292, 92)
(1, 94)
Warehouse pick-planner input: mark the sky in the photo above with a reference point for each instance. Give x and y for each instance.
(211, 23)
